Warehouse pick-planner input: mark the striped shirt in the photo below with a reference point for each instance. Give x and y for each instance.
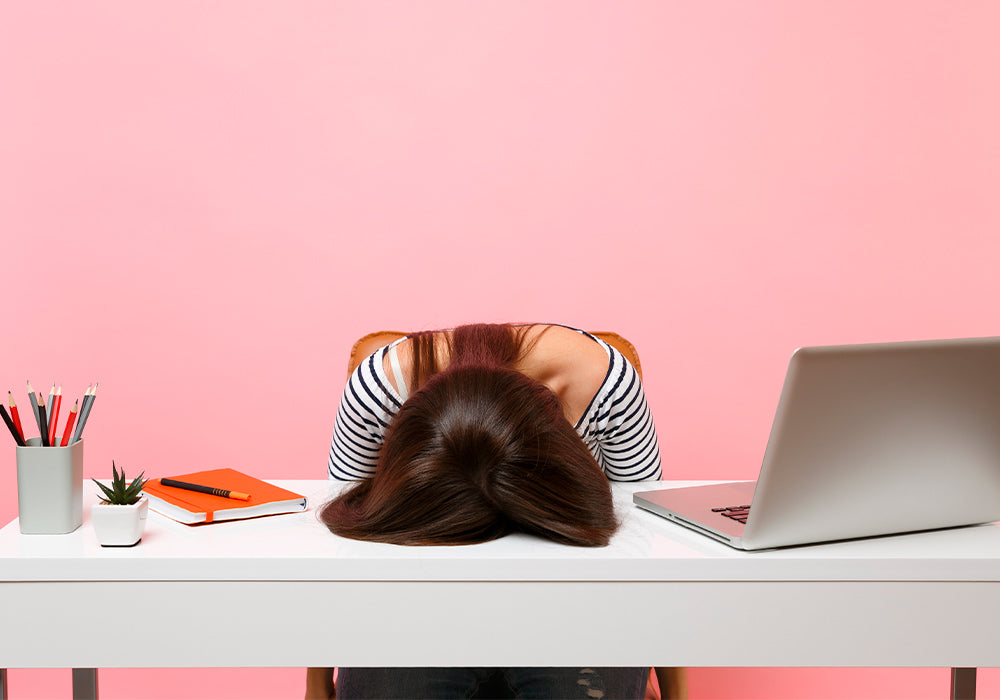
(617, 426)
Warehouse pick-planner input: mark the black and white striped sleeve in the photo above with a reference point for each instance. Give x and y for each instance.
(621, 432)
(366, 409)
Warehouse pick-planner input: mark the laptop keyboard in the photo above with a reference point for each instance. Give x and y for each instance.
(737, 513)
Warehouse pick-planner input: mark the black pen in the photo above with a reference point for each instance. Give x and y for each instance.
(206, 489)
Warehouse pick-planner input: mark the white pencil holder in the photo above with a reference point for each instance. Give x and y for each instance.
(49, 488)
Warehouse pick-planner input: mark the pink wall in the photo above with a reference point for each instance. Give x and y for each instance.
(203, 204)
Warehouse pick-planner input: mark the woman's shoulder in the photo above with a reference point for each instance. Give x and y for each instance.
(571, 363)
(369, 385)
(565, 347)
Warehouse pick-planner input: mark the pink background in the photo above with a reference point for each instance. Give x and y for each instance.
(203, 204)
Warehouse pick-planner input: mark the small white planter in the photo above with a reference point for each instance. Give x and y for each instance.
(119, 526)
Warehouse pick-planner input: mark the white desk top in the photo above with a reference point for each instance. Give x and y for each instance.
(297, 547)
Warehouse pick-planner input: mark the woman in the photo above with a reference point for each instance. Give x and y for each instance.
(463, 436)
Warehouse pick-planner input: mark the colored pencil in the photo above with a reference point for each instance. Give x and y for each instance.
(79, 422)
(14, 414)
(54, 420)
(48, 408)
(34, 403)
(10, 426)
(43, 424)
(88, 402)
(69, 423)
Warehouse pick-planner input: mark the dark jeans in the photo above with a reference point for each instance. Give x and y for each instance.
(521, 683)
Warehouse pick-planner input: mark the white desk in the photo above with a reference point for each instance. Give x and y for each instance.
(283, 591)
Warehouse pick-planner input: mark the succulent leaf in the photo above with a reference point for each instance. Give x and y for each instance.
(108, 493)
(121, 492)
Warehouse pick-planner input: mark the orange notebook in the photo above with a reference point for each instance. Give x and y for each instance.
(192, 507)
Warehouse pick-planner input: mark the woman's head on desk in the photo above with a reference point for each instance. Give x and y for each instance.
(479, 451)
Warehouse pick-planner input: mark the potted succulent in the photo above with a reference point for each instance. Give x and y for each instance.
(120, 517)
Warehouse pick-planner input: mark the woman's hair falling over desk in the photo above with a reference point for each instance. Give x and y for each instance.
(478, 451)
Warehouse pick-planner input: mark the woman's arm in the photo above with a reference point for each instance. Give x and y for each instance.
(366, 408)
(319, 684)
(622, 427)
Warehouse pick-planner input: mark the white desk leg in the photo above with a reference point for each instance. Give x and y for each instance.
(3, 684)
(963, 684)
(84, 684)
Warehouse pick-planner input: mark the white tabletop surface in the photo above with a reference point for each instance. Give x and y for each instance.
(297, 547)
(914, 600)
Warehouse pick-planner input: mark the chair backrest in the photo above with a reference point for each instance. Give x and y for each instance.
(368, 344)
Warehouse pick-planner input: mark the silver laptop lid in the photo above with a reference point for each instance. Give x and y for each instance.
(879, 439)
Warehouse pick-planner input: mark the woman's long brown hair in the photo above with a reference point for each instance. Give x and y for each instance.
(480, 450)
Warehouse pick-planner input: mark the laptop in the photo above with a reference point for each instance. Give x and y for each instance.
(867, 440)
